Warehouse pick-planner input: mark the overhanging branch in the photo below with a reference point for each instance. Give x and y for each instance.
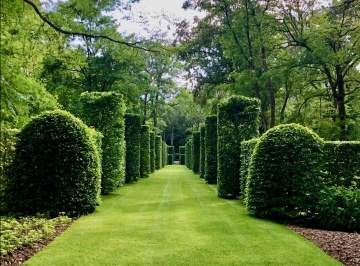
(57, 28)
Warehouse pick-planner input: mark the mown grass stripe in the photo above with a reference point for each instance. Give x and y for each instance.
(173, 218)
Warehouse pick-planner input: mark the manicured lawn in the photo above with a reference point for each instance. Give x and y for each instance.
(173, 218)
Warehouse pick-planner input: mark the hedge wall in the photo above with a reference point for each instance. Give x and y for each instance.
(202, 152)
(341, 165)
(158, 152)
(164, 154)
(182, 154)
(283, 181)
(211, 150)
(145, 151)
(238, 120)
(152, 152)
(104, 111)
(132, 138)
(196, 152)
(171, 155)
(56, 168)
(246, 150)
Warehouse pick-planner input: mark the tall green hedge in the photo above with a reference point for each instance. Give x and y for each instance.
(164, 154)
(202, 152)
(238, 120)
(246, 151)
(145, 151)
(104, 111)
(132, 138)
(283, 181)
(341, 165)
(152, 152)
(158, 153)
(211, 150)
(187, 154)
(171, 155)
(56, 168)
(196, 152)
(182, 152)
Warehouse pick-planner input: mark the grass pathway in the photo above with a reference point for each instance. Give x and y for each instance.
(173, 218)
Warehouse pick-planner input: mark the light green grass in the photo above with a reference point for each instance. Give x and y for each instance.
(173, 218)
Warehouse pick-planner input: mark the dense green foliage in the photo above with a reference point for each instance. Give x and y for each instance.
(246, 150)
(158, 153)
(164, 154)
(182, 155)
(202, 152)
(283, 181)
(237, 121)
(211, 149)
(104, 111)
(56, 168)
(338, 209)
(145, 151)
(195, 153)
(171, 155)
(28, 231)
(132, 139)
(341, 163)
(152, 152)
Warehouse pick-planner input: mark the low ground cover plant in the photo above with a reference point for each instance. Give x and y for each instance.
(15, 233)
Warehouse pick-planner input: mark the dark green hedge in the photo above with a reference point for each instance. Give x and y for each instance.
(145, 151)
(132, 138)
(152, 152)
(56, 168)
(341, 166)
(196, 152)
(283, 181)
(164, 154)
(202, 152)
(211, 150)
(104, 111)
(171, 155)
(158, 153)
(238, 120)
(182, 151)
(246, 150)
(187, 155)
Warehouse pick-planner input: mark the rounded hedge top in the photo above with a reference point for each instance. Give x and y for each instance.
(56, 167)
(283, 176)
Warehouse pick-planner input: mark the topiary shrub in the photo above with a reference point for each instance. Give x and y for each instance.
(211, 150)
(132, 139)
(171, 155)
(339, 209)
(202, 152)
(246, 151)
(196, 152)
(56, 168)
(145, 151)
(283, 182)
(238, 120)
(341, 163)
(182, 151)
(158, 152)
(152, 152)
(104, 111)
(164, 154)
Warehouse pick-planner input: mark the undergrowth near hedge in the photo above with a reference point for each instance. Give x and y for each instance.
(15, 233)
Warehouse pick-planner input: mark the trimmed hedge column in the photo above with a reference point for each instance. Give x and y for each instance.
(238, 120)
(164, 154)
(170, 155)
(182, 152)
(152, 152)
(158, 152)
(105, 112)
(56, 168)
(247, 148)
(211, 150)
(196, 152)
(145, 151)
(283, 182)
(202, 152)
(132, 138)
